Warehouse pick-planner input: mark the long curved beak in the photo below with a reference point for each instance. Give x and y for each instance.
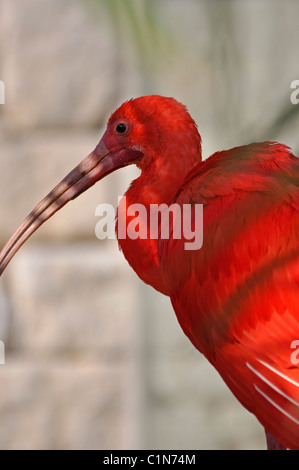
(94, 167)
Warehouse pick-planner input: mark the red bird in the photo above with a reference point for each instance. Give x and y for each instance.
(236, 298)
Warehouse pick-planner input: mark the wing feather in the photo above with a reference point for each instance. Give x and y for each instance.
(237, 297)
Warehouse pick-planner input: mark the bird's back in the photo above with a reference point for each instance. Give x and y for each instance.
(237, 297)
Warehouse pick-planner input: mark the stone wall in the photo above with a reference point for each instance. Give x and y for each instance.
(94, 359)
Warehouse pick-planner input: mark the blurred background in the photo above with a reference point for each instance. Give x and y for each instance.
(95, 359)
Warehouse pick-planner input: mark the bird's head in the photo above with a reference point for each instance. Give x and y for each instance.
(153, 126)
(153, 132)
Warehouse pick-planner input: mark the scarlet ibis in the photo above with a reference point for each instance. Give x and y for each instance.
(236, 298)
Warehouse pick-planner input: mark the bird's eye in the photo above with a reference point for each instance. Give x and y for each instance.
(121, 128)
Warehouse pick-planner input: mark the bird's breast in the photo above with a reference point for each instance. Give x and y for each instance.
(139, 243)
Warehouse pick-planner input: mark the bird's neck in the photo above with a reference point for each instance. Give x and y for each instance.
(156, 185)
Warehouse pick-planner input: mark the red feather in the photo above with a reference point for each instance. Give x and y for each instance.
(236, 298)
